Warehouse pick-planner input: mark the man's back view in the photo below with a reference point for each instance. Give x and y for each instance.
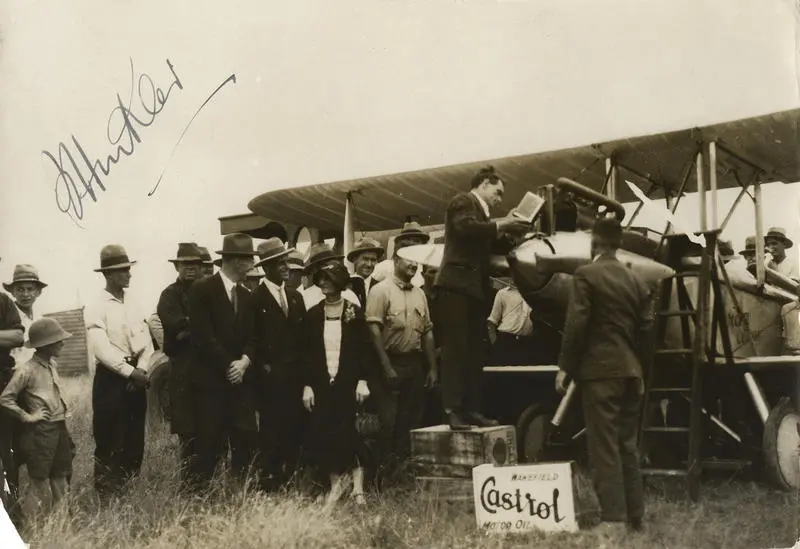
(604, 346)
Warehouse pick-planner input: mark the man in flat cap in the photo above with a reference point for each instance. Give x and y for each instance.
(121, 345)
(279, 316)
(12, 336)
(26, 287)
(605, 343)
(173, 310)
(223, 340)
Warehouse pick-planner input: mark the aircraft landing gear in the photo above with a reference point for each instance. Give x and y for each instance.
(781, 445)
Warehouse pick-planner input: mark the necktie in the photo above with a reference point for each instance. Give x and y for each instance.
(284, 308)
(234, 299)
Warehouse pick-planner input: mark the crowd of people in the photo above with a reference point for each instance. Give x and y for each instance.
(280, 363)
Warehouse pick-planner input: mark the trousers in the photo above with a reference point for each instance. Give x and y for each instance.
(611, 410)
(464, 336)
(119, 426)
(400, 407)
(281, 424)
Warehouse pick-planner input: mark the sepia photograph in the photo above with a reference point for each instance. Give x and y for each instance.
(400, 274)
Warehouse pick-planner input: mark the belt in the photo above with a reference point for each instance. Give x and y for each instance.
(515, 336)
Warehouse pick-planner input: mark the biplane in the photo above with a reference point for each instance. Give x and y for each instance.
(720, 393)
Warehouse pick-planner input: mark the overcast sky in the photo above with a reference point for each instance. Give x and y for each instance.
(339, 89)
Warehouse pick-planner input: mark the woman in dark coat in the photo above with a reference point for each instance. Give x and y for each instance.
(336, 342)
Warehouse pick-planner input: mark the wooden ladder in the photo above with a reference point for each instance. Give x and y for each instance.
(676, 374)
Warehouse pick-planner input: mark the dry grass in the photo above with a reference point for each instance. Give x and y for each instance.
(154, 515)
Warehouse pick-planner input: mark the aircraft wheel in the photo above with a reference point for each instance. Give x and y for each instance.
(533, 433)
(781, 445)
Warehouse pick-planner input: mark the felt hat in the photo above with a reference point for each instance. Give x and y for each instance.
(254, 273)
(336, 273)
(112, 257)
(749, 246)
(412, 232)
(318, 253)
(272, 249)
(609, 229)
(205, 255)
(24, 273)
(365, 245)
(295, 261)
(779, 233)
(726, 250)
(188, 252)
(237, 244)
(45, 331)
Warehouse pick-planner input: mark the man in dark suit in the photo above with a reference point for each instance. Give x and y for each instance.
(173, 312)
(606, 340)
(279, 397)
(222, 324)
(463, 288)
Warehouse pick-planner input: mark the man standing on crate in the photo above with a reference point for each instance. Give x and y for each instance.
(11, 337)
(605, 343)
(463, 293)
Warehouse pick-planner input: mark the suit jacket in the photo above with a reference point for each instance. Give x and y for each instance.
(173, 311)
(469, 240)
(278, 334)
(608, 324)
(218, 335)
(354, 349)
(358, 286)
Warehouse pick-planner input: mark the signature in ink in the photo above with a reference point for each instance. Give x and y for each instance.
(79, 176)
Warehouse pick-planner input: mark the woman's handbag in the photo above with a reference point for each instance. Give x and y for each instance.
(367, 424)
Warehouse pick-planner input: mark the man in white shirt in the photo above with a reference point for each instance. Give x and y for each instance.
(510, 329)
(26, 287)
(411, 235)
(120, 342)
(319, 255)
(777, 243)
(364, 257)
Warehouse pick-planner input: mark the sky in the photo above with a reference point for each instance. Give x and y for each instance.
(328, 90)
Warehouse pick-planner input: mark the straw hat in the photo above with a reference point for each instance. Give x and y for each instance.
(24, 273)
(113, 257)
(412, 232)
(363, 246)
(45, 331)
(779, 233)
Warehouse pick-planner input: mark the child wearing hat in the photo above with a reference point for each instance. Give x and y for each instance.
(34, 397)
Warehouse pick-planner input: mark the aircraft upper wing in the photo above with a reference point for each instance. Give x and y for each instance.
(767, 144)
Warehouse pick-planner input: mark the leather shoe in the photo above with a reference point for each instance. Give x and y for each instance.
(457, 423)
(482, 421)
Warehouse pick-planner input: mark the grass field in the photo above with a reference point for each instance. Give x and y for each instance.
(153, 514)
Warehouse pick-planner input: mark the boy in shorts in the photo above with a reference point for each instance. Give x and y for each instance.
(33, 396)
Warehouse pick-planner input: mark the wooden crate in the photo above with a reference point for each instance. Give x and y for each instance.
(446, 489)
(441, 446)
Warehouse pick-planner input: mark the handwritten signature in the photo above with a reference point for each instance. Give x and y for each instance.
(78, 176)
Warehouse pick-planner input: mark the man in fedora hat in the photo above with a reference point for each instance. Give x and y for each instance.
(173, 310)
(279, 316)
(208, 264)
(120, 343)
(11, 337)
(777, 243)
(26, 287)
(33, 396)
(411, 234)
(364, 256)
(319, 255)
(223, 340)
(463, 292)
(296, 270)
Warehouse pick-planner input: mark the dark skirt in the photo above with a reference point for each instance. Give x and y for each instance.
(334, 442)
